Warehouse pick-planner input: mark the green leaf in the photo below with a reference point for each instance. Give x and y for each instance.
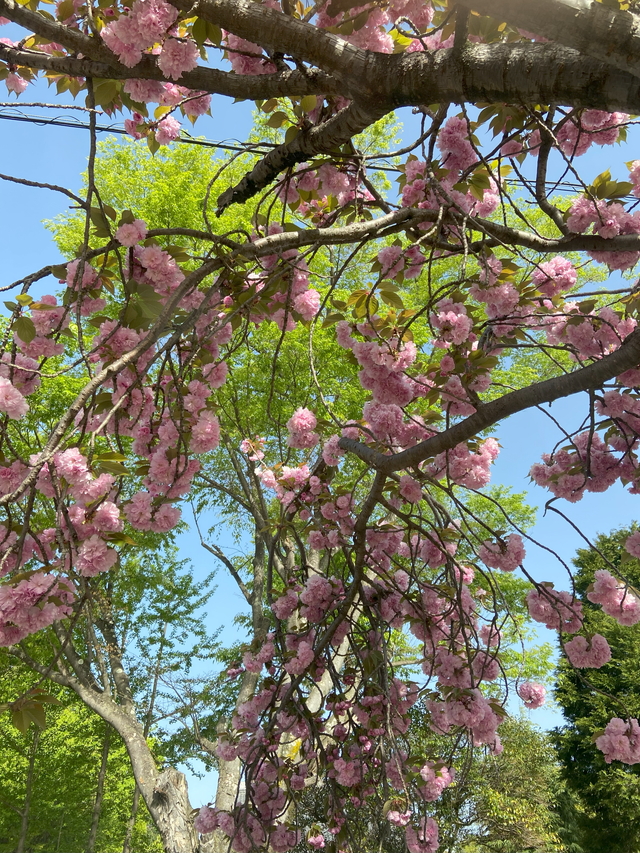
(59, 271)
(48, 698)
(42, 306)
(152, 143)
(111, 454)
(149, 301)
(331, 319)
(103, 402)
(99, 219)
(65, 10)
(106, 92)
(20, 721)
(199, 31)
(178, 253)
(34, 712)
(391, 298)
(112, 468)
(214, 33)
(277, 119)
(25, 329)
(309, 103)
(120, 538)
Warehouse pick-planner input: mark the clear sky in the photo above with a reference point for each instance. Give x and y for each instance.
(58, 156)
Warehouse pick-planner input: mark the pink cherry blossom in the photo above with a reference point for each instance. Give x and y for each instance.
(168, 130)
(620, 741)
(436, 778)
(424, 839)
(131, 233)
(177, 56)
(616, 599)
(455, 148)
(583, 652)
(410, 489)
(554, 276)
(206, 820)
(632, 544)
(506, 554)
(532, 694)
(556, 610)
(94, 557)
(15, 83)
(12, 403)
(205, 435)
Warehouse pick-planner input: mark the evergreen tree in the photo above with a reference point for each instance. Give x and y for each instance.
(607, 796)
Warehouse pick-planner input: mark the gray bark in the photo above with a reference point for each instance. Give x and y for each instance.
(164, 792)
(593, 29)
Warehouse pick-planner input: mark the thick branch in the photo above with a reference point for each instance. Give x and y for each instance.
(612, 36)
(118, 672)
(73, 39)
(252, 87)
(282, 33)
(318, 140)
(495, 73)
(511, 73)
(584, 379)
(409, 217)
(523, 72)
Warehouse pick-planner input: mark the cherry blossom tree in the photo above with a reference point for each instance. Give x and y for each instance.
(376, 539)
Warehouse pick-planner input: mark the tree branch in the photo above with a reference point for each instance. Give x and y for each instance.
(284, 34)
(610, 35)
(251, 87)
(318, 140)
(488, 414)
(48, 28)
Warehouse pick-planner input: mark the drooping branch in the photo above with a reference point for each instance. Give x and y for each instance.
(112, 369)
(488, 414)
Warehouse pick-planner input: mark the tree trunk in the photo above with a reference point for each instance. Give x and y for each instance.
(126, 847)
(164, 792)
(24, 823)
(171, 812)
(97, 805)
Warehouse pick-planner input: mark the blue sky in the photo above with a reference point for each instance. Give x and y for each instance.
(58, 155)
